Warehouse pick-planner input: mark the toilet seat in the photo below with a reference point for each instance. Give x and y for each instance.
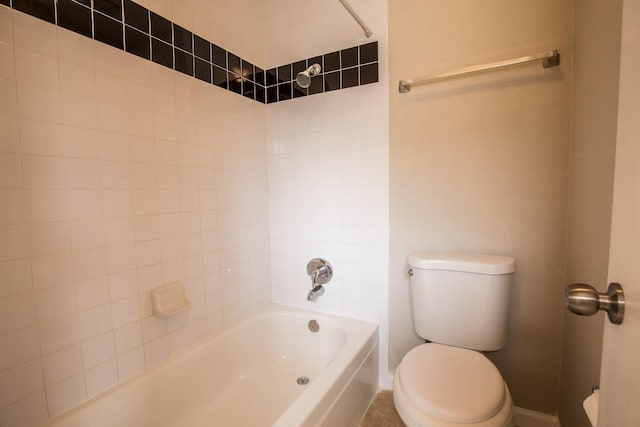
(438, 385)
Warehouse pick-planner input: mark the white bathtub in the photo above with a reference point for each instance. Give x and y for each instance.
(247, 375)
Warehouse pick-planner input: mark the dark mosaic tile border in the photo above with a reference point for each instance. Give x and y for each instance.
(128, 26)
(355, 66)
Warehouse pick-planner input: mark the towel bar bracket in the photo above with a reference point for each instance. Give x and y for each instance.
(552, 61)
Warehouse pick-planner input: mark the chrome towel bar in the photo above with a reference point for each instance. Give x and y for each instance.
(549, 59)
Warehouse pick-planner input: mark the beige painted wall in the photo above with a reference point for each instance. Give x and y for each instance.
(595, 104)
(481, 164)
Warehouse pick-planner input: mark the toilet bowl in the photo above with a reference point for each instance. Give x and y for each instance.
(437, 385)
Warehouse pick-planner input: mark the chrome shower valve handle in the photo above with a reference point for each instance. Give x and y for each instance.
(321, 272)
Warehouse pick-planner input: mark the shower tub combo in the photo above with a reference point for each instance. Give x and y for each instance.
(283, 367)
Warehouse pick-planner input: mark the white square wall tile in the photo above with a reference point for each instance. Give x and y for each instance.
(79, 111)
(114, 146)
(146, 309)
(98, 350)
(95, 321)
(110, 60)
(119, 230)
(130, 364)
(10, 170)
(197, 310)
(173, 271)
(15, 278)
(111, 89)
(30, 411)
(55, 302)
(6, 26)
(37, 69)
(171, 248)
(77, 80)
(80, 142)
(177, 321)
(84, 204)
(128, 338)
(148, 252)
(90, 263)
(115, 174)
(142, 150)
(112, 118)
(168, 178)
(9, 126)
(145, 202)
(17, 312)
(61, 365)
(44, 138)
(153, 328)
(139, 123)
(123, 285)
(20, 381)
(121, 258)
(149, 277)
(75, 48)
(117, 203)
(82, 173)
(9, 96)
(19, 347)
(190, 200)
(88, 234)
(48, 238)
(215, 322)
(168, 206)
(101, 378)
(156, 351)
(125, 311)
(43, 172)
(47, 205)
(52, 270)
(37, 103)
(65, 395)
(139, 96)
(198, 331)
(138, 69)
(92, 293)
(58, 334)
(31, 33)
(146, 227)
(178, 340)
(193, 267)
(169, 224)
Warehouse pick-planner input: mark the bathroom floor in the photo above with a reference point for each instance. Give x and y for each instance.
(382, 412)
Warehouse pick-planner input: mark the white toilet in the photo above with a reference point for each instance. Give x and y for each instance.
(460, 305)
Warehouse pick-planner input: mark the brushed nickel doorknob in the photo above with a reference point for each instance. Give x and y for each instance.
(584, 300)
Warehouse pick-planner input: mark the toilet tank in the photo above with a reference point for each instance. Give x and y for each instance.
(461, 300)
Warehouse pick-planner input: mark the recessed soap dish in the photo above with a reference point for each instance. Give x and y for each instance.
(169, 299)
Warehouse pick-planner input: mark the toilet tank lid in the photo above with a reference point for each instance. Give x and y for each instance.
(464, 262)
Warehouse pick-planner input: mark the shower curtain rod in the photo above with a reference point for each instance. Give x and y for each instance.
(367, 30)
(549, 59)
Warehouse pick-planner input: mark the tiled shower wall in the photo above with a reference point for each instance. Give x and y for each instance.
(116, 175)
(328, 168)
